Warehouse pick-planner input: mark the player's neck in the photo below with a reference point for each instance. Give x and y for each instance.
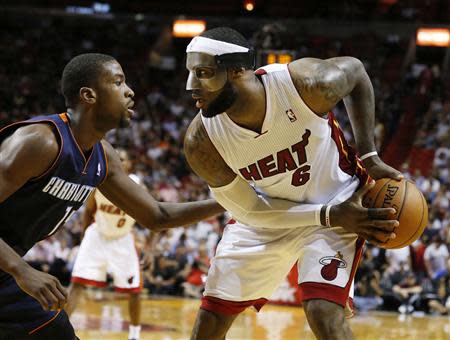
(249, 110)
(83, 132)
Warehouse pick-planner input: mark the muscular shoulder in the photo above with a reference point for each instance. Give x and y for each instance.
(203, 157)
(27, 153)
(34, 146)
(322, 83)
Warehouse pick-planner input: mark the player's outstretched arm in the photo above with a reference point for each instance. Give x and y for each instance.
(238, 197)
(90, 208)
(323, 83)
(139, 204)
(235, 194)
(26, 154)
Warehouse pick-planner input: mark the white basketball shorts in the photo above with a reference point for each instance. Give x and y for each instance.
(250, 263)
(99, 255)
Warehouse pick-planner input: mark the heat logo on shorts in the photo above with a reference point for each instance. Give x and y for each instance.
(331, 264)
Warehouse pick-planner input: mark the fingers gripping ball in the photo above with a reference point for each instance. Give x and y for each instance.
(410, 206)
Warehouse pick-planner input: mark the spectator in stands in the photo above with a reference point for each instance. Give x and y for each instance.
(396, 257)
(161, 280)
(436, 257)
(408, 292)
(368, 292)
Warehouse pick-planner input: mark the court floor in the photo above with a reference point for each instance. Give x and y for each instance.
(170, 319)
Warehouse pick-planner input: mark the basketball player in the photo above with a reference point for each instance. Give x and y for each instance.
(49, 165)
(273, 154)
(108, 245)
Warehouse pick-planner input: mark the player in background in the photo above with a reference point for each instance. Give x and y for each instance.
(108, 246)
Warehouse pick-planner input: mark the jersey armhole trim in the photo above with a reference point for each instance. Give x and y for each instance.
(61, 146)
(106, 164)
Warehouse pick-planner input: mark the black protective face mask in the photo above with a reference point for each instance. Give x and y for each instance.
(225, 100)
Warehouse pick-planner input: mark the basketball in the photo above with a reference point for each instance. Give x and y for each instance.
(409, 203)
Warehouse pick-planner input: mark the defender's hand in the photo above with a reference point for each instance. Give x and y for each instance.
(43, 287)
(378, 169)
(372, 224)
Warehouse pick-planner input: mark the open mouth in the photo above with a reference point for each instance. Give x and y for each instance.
(130, 111)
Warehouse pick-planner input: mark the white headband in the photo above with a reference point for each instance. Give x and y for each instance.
(213, 47)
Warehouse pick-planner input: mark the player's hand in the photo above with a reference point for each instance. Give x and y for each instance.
(372, 224)
(378, 169)
(43, 287)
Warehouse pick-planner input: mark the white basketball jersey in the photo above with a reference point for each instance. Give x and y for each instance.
(111, 221)
(298, 155)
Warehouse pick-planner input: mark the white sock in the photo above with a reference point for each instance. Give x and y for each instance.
(134, 332)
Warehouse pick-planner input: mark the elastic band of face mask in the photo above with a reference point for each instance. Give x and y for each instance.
(237, 59)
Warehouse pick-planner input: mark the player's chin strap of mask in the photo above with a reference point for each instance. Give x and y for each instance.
(225, 54)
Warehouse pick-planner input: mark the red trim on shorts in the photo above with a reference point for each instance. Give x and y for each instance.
(329, 292)
(220, 306)
(45, 323)
(99, 284)
(134, 290)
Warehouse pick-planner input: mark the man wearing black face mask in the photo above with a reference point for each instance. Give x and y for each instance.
(273, 155)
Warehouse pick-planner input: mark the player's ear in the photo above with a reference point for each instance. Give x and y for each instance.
(88, 95)
(235, 72)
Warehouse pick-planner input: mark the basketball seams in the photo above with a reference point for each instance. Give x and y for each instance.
(419, 229)
(403, 202)
(410, 208)
(401, 209)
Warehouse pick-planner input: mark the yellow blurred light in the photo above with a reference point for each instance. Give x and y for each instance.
(280, 58)
(249, 6)
(271, 58)
(284, 58)
(188, 28)
(433, 37)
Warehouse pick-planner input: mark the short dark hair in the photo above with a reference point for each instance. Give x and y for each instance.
(226, 34)
(82, 70)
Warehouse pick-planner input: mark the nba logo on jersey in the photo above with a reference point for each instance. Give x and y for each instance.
(99, 169)
(291, 115)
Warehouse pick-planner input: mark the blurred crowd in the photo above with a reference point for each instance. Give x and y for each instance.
(175, 262)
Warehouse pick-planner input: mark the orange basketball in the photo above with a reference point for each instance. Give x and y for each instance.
(409, 203)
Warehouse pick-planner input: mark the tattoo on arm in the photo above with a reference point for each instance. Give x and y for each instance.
(319, 85)
(204, 158)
